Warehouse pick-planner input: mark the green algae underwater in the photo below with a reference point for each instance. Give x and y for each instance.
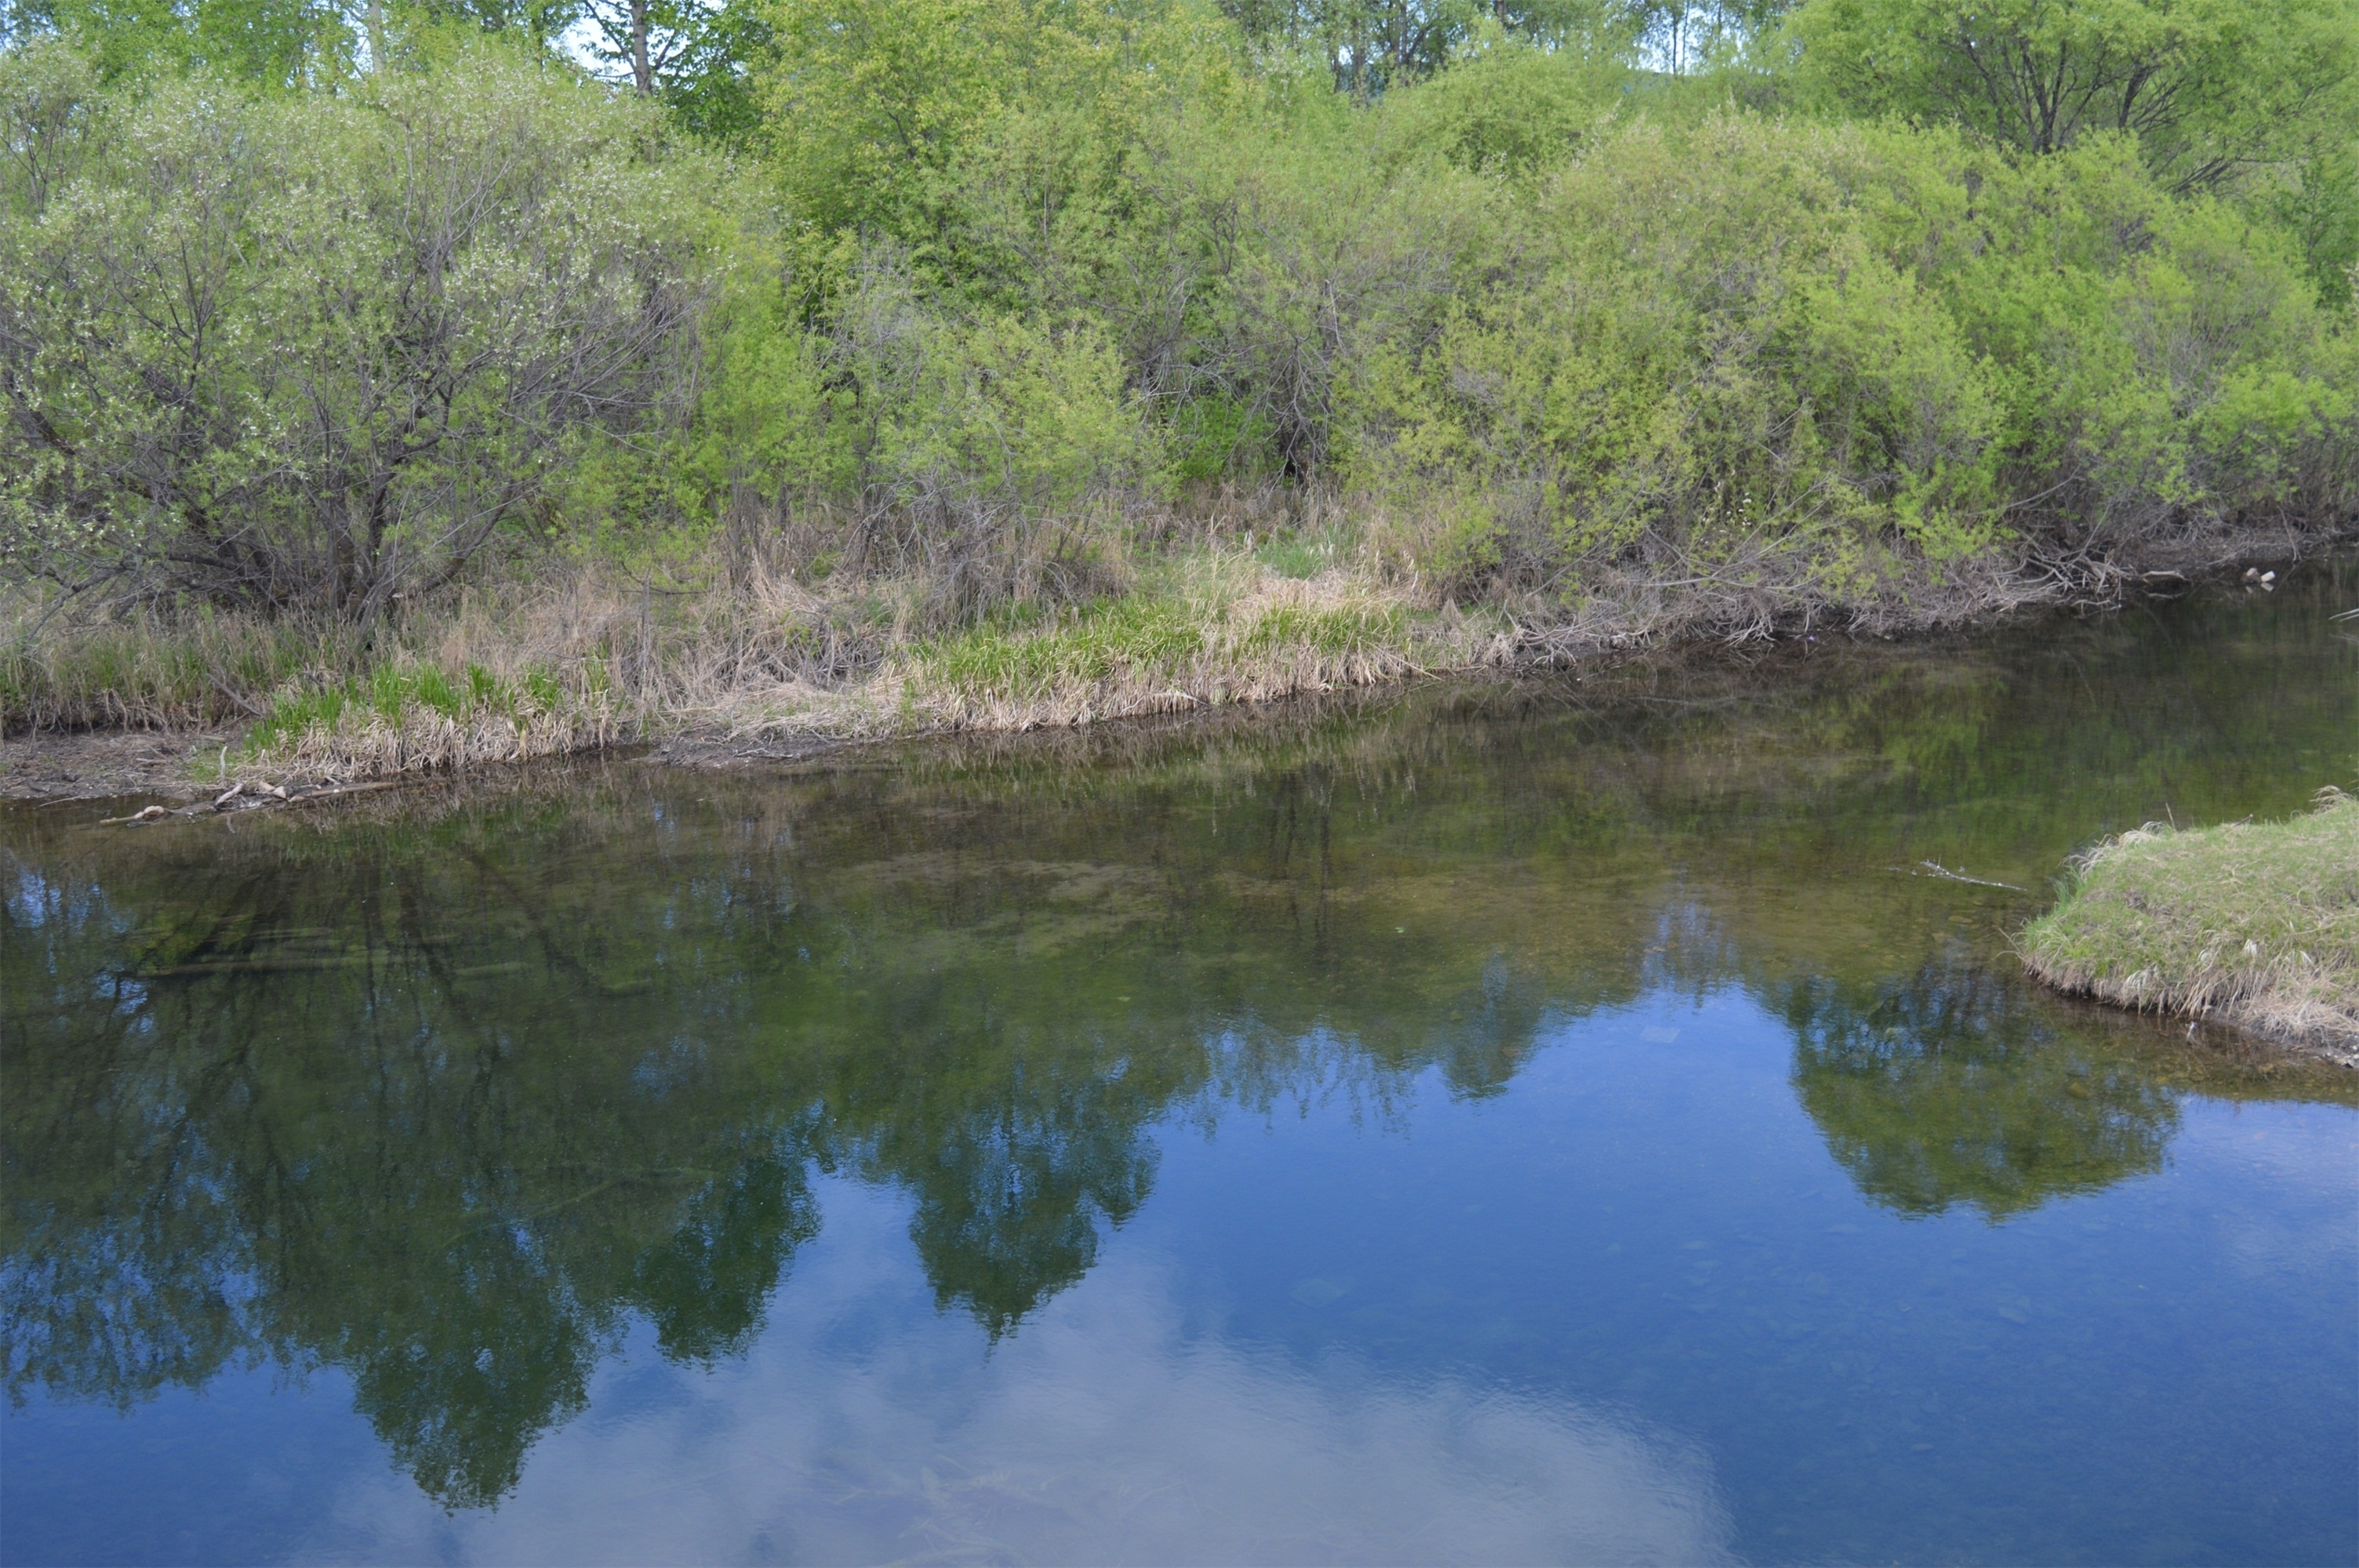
(1594, 1118)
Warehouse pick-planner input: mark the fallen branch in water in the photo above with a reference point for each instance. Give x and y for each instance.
(238, 798)
(1943, 872)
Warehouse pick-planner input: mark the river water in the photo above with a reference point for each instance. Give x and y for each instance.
(1581, 1121)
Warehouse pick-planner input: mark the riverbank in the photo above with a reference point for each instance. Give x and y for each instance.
(579, 658)
(2251, 925)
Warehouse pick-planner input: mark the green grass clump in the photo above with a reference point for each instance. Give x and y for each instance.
(1302, 554)
(2260, 920)
(1108, 638)
(296, 714)
(1348, 629)
(395, 695)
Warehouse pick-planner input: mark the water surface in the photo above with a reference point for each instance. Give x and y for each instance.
(1582, 1121)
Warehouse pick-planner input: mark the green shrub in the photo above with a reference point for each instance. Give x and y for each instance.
(1751, 333)
(316, 352)
(999, 285)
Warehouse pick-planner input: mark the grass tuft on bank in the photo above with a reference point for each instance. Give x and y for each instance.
(1224, 637)
(142, 670)
(2255, 924)
(411, 717)
(584, 658)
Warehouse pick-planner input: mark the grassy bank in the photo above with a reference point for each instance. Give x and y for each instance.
(584, 654)
(2255, 924)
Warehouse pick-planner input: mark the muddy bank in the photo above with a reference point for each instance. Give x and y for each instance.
(112, 764)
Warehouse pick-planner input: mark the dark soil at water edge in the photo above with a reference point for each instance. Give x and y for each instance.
(109, 764)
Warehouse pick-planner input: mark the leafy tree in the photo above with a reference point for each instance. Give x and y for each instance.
(870, 100)
(1511, 108)
(540, 23)
(1370, 47)
(1931, 349)
(697, 55)
(320, 352)
(2209, 88)
(710, 84)
(279, 43)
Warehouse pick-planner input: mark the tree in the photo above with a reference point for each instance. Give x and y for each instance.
(1373, 45)
(316, 354)
(698, 56)
(2208, 87)
(541, 21)
(648, 39)
(869, 101)
(277, 43)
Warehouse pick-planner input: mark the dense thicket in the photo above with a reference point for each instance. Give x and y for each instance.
(308, 308)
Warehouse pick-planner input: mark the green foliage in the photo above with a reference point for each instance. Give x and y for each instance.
(695, 55)
(980, 451)
(298, 44)
(53, 121)
(1508, 108)
(1372, 47)
(981, 282)
(319, 351)
(2208, 87)
(1912, 346)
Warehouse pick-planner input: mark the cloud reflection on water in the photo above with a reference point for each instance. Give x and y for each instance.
(866, 1427)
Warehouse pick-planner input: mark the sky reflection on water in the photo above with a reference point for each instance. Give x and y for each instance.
(1536, 1125)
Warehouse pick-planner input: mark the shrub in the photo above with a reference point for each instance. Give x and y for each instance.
(318, 351)
(1749, 335)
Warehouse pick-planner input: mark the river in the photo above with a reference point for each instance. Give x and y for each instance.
(1583, 1119)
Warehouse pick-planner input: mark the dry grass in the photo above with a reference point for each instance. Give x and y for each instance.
(1235, 631)
(137, 669)
(2255, 924)
(586, 657)
(1237, 598)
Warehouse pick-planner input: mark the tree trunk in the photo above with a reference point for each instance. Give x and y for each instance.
(641, 77)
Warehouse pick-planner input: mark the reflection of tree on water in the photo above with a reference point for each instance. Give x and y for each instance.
(447, 1109)
(302, 1120)
(1481, 1038)
(703, 1287)
(464, 1349)
(1012, 1182)
(449, 1104)
(1944, 1088)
